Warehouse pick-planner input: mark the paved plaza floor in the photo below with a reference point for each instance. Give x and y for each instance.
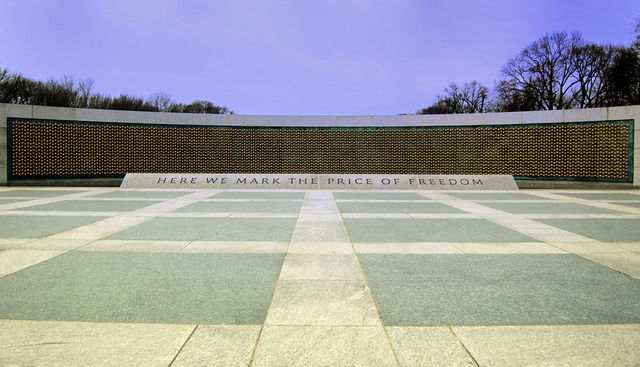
(106, 276)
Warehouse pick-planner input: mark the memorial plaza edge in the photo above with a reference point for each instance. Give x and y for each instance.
(564, 148)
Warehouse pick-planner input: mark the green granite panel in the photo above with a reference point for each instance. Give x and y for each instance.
(145, 288)
(386, 207)
(348, 195)
(633, 205)
(271, 206)
(606, 230)
(9, 201)
(495, 196)
(93, 205)
(139, 194)
(439, 290)
(550, 208)
(260, 195)
(36, 226)
(210, 229)
(430, 230)
(602, 195)
(36, 193)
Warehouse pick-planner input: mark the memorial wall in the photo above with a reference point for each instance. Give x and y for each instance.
(57, 143)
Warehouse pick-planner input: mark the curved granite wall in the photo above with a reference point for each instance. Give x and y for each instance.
(43, 143)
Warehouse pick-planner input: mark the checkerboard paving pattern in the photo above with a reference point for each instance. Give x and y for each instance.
(105, 276)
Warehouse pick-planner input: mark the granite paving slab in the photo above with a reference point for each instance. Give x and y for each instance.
(271, 206)
(633, 205)
(55, 343)
(219, 345)
(558, 345)
(549, 208)
(323, 346)
(143, 194)
(210, 229)
(439, 290)
(430, 230)
(93, 205)
(9, 201)
(322, 302)
(350, 195)
(143, 287)
(428, 346)
(386, 207)
(601, 195)
(36, 193)
(273, 195)
(601, 229)
(32, 226)
(495, 196)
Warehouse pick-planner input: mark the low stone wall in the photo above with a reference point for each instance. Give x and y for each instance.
(49, 143)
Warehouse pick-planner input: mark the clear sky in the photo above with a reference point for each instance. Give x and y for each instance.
(320, 57)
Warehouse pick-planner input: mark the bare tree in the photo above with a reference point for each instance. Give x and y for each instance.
(162, 101)
(546, 67)
(591, 63)
(85, 87)
(470, 98)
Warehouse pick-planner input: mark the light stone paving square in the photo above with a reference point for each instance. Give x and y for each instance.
(405, 248)
(631, 246)
(105, 205)
(321, 302)
(318, 195)
(31, 226)
(559, 345)
(135, 246)
(315, 216)
(262, 215)
(219, 345)
(242, 247)
(385, 215)
(323, 346)
(331, 231)
(56, 213)
(101, 229)
(142, 194)
(37, 193)
(7, 243)
(427, 346)
(624, 262)
(586, 247)
(321, 267)
(507, 248)
(57, 343)
(54, 244)
(14, 259)
(320, 248)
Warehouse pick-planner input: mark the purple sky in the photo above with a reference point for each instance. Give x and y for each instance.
(321, 57)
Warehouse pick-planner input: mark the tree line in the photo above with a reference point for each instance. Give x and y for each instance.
(558, 71)
(15, 88)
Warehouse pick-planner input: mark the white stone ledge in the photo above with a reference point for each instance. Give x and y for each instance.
(93, 115)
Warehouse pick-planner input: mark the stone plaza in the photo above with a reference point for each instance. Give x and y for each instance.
(497, 239)
(108, 276)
